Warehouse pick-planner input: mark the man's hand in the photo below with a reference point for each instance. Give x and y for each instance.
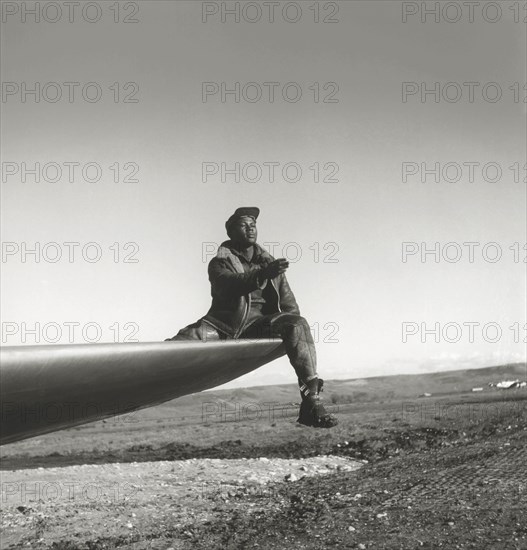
(273, 269)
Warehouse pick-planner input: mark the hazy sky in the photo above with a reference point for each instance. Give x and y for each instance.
(353, 118)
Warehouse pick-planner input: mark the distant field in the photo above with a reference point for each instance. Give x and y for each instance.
(263, 418)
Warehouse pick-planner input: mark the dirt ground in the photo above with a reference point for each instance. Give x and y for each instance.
(438, 473)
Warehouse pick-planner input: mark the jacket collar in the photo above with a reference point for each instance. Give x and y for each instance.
(226, 248)
(226, 251)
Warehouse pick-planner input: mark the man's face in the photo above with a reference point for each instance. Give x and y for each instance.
(243, 231)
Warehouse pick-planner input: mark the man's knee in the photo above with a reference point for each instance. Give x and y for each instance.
(302, 321)
(298, 325)
(299, 321)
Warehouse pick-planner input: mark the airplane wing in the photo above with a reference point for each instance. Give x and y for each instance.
(49, 388)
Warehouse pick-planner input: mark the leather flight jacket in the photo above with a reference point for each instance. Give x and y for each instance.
(231, 288)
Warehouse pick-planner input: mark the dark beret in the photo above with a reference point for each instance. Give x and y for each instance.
(250, 211)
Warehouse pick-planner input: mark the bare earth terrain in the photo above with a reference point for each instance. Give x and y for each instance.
(231, 469)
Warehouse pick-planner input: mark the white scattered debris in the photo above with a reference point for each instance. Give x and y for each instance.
(508, 384)
(426, 395)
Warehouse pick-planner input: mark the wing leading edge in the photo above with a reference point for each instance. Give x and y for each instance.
(49, 388)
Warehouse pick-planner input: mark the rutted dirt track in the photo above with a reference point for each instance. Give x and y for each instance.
(382, 484)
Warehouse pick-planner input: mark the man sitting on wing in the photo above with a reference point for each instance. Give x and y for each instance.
(251, 298)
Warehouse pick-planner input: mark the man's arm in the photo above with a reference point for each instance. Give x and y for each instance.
(226, 282)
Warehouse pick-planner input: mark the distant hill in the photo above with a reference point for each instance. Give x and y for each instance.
(358, 390)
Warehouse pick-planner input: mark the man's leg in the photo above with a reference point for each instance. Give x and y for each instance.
(200, 330)
(295, 333)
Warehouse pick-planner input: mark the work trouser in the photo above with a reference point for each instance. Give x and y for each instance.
(295, 333)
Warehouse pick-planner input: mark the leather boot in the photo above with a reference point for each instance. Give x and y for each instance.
(312, 411)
